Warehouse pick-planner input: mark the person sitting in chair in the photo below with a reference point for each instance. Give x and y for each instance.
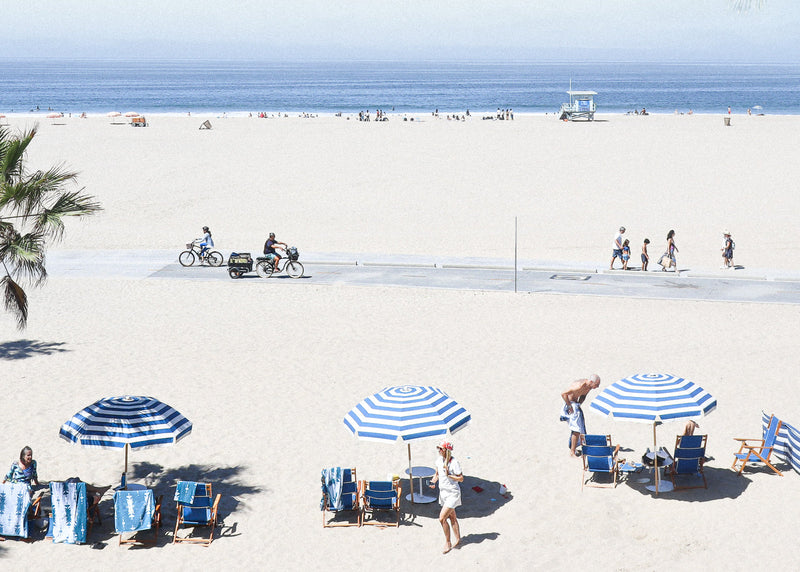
(269, 250)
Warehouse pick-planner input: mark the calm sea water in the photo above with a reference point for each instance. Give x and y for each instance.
(329, 87)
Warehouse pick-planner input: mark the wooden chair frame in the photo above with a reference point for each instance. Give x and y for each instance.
(212, 521)
(749, 449)
(367, 507)
(147, 541)
(356, 506)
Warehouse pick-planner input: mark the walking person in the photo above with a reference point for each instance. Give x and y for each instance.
(645, 256)
(571, 412)
(727, 250)
(626, 254)
(617, 247)
(668, 259)
(448, 475)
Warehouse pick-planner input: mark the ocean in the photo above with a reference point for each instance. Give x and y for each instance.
(100, 86)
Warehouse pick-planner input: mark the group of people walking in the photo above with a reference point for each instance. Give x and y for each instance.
(621, 249)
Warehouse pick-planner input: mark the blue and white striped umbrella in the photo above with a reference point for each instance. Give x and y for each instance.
(406, 413)
(135, 422)
(650, 398)
(654, 398)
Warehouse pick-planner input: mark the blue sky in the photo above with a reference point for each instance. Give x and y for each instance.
(598, 30)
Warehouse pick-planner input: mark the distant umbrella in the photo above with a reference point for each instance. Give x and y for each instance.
(54, 115)
(131, 114)
(113, 114)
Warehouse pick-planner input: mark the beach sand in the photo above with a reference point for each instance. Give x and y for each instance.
(266, 371)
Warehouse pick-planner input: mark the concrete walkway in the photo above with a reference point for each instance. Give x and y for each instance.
(739, 285)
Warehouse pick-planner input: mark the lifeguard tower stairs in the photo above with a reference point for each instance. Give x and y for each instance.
(580, 106)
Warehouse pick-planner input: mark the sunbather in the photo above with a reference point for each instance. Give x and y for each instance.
(24, 470)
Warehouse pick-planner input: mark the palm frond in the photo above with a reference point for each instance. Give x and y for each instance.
(12, 151)
(27, 195)
(16, 301)
(24, 253)
(75, 203)
(747, 5)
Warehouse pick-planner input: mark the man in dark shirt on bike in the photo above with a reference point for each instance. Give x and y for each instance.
(269, 250)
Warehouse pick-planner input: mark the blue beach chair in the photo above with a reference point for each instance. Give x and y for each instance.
(380, 496)
(595, 440)
(758, 450)
(196, 507)
(69, 521)
(340, 498)
(16, 509)
(599, 459)
(690, 453)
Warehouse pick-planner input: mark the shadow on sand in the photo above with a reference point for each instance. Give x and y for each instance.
(224, 481)
(722, 484)
(23, 349)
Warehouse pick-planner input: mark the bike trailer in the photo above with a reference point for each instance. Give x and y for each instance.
(241, 261)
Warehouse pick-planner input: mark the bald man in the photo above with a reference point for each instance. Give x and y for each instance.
(573, 397)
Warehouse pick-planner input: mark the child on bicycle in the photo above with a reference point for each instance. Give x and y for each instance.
(205, 243)
(269, 250)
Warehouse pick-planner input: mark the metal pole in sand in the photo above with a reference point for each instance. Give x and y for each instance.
(515, 254)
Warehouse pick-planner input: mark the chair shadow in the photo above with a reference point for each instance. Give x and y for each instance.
(23, 349)
(723, 483)
(224, 481)
(474, 503)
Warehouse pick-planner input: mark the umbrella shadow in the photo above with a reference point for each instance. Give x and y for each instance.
(224, 481)
(722, 484)
(479, 497)
(23, 349)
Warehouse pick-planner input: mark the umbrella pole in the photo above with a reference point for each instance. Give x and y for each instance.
(410, 476)
(655, 455)
(126, 460)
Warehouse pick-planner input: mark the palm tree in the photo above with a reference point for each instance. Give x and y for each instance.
(32, 209)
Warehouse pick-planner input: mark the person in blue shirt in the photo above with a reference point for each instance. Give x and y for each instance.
(205, 243)
(269, 249)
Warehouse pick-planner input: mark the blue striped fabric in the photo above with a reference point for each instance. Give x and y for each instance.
(787, 445)
(113, 422)
(407, 413)
(650, 398)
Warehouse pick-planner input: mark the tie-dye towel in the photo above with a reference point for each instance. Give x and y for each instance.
(133, 510)
(68, 523)
(14, 503)
(185, 491)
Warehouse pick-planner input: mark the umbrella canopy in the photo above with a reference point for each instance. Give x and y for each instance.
(654, 398)
(54, 115)
(113, 114)
(132, 114)
(117, 422)
(406, 413)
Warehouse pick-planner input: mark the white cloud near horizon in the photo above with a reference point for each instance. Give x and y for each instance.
(677, 30)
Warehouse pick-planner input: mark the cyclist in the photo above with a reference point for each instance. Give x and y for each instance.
(269, 250)
(205, 243)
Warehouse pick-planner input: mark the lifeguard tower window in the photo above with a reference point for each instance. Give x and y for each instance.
(581, 106)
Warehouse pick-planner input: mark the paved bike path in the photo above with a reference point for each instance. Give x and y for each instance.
(742, 285)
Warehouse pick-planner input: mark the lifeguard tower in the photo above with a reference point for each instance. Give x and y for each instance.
(580, 106)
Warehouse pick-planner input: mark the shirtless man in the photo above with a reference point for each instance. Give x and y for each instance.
(573, 397)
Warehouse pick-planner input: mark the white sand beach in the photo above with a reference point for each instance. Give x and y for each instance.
(266, 372)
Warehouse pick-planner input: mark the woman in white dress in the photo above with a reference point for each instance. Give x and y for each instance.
(448, 475)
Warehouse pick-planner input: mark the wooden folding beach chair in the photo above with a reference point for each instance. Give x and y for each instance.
(351, 493)
(758, 450)
(202, 511)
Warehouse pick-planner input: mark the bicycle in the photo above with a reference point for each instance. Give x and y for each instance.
(188, 257)
(294, 269)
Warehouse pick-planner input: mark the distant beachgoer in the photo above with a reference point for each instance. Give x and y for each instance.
(626, 254)
(573, 397)
(727, 250)
(269, 249)
(645, 256)
(617, 248)
(749, 112)
(669, 259)
(205, 243)
(729, 110)
(448, 475)
(690, 426)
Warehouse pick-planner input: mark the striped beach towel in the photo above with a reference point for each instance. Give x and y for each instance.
(787, 444)
(332, 484)
(14, 503)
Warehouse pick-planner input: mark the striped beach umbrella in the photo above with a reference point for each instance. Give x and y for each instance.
(406, 413)
(126, 422)
(654, 398)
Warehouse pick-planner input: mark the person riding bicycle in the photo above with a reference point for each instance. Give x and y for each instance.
(205, 243)
(269, 250)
